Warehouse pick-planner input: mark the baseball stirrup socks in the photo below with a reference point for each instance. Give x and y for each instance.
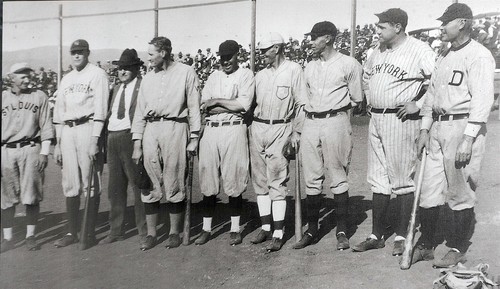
(313, 203)
(379, 213)
(341, 211)
(404, 204)
(72, 208)
(235, 206)
(209, 203)
(152, 208)
(8, 217)
(177, 208)
(463, 222)
(428, 221)
(32, 212)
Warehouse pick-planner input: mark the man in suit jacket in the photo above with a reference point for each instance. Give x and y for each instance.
(122, 170)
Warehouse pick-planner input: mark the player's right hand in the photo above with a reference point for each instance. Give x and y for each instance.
(58, 155)
(137, 153)
(422, 141)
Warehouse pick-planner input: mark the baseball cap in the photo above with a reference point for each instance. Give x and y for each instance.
(454, 11)
(228, 48)
(79, 45)
(323, 28)
(269, 40)
(20, 68)
(394, 15)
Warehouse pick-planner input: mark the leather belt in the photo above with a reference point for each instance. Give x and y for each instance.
(165, 118)
(446, 117)
(382, 110)
(272, 121)
(20, 144)
(223, 123)
(75, 122)
(327, 114)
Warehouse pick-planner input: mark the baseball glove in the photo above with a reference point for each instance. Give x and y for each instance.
(288, 150)
(462, 278)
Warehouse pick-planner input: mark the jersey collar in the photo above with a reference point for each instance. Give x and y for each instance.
(461, 46)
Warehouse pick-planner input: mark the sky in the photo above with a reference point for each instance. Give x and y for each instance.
(199, 27)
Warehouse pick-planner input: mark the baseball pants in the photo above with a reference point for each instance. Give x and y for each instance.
(21, 180)
(269, 166)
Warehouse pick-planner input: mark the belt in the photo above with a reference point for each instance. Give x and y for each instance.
(327, 114)
(72, 123)
(223, 123)
(165, 118)
(272, 121)
(382, 110)
(446, 117)
(20, 144)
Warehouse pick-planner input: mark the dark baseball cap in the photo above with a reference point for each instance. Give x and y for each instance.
(323, 28)
(394, 15)
(228, 48)
(79, 45)
(454, 11)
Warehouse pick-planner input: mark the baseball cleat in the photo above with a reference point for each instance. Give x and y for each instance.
(275, 245)
(7, 245)
(110, 239)
(342, 241)
(399, 247)
(173, 241)
(369, 244)
(148, 243)
(31, 244)
(262, 236)
(235, 238)
(203, 238)
(307, 239)
(452, 258)
(422, 254)
(67, 240)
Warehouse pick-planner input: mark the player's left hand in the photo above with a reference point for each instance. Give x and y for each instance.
(406, 109)
(192, 146)
(464, 151)
(295, 140)
(42, 162)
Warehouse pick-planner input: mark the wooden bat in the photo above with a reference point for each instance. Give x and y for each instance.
(84, 231)
(298, 209)
(407, 253)
(187, 213)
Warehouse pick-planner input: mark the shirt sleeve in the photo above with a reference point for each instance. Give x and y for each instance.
(138, 123)
(426, 110)
(354, 81)
(367, 74)
(59, 108)
(207, 92)
(193, 101)
(45, 120)
(101, 95)
(481, 82)
(299, 91)
(246, 90)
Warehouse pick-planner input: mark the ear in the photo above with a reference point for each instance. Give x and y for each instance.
(398, 27)
(163, 53)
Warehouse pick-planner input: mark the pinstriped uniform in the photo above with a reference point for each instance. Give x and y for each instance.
(392, 76)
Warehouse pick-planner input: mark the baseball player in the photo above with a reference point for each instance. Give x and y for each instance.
(455, 111)
(166, 126)
(277, 102)
(122, 171)
(334, 85)
(226, 97)
(26, 135)
(79, 114)
(395, 74)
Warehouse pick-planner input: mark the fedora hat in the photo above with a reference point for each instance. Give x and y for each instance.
(128, 58)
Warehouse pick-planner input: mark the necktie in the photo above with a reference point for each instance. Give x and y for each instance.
(121, 105)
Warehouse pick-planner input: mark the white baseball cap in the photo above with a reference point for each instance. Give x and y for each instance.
(20, 67)
(269, 40)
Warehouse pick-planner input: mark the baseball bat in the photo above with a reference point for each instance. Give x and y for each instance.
(84, 238)
(298, 209)
(187, 213)
(407, 253)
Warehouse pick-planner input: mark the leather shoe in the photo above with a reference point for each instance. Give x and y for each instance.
(110, 239)
(369, 244)
(451, 259)
(306, 240)
(275, 245)
(149, 243)
(67, 240)
(173, 241)
(31, 244)
(203, 238)
(422, 254)
(235, 238)
(342, 241)
(262, 236)
(7, 245)
(399, 247)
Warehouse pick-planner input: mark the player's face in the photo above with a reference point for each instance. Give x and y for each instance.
(229, 65)
(268, 55)
(79, 59)
(156, 58)
(386, 32)
(319, 43)
(127, 74)
(451, 30)
(21, 81)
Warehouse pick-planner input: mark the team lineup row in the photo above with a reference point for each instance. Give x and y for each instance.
(151, 126)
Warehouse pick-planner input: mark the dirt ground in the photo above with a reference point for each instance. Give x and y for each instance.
(218, 265)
